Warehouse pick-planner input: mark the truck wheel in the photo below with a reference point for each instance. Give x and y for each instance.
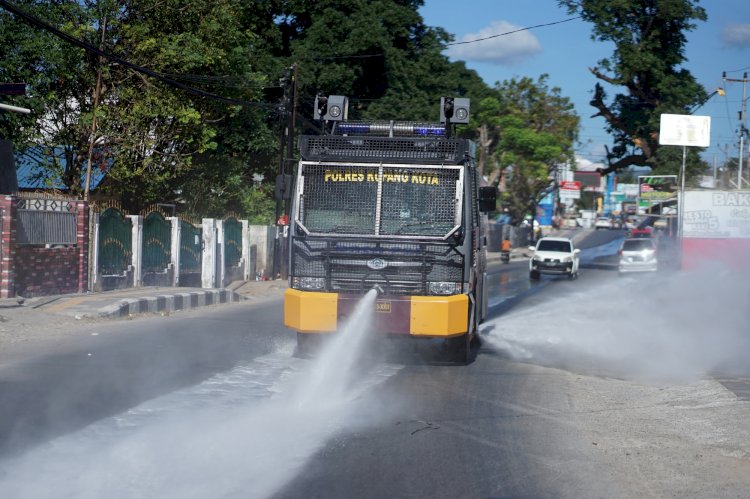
(534, 275)
(306, 344)
(459, 348)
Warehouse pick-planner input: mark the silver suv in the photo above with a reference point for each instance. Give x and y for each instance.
(638, 255)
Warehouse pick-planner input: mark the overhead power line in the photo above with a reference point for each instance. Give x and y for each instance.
(34, 21)
(379, 54)
(514, 31)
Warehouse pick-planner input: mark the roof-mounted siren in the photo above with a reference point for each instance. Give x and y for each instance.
(454, 110)
(331, 108)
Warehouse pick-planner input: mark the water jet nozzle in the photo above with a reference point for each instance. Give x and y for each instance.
(378, 288)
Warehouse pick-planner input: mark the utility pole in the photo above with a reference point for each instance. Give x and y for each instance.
(283, 184)
(97, 95)
(8, 176)
(289, 159)
(743, 130)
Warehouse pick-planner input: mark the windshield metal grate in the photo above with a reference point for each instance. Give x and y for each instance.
(383, 200)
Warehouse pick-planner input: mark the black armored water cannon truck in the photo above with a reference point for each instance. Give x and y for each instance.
(393, 206)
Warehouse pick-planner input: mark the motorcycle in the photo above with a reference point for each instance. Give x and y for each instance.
(505, 256)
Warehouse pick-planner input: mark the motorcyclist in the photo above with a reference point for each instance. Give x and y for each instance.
(505, 248)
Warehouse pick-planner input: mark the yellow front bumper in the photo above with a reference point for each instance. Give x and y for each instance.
(425, 316)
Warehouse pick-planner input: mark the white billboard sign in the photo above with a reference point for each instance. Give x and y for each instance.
(717, 215)
(569, 194)
(685, 130)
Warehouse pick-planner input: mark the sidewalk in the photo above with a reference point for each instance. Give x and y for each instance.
(143, 300)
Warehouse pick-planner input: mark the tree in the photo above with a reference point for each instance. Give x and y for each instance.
(148, 131)
(59, 85)
(379, 53)
(649, 38)
(536, 129)
(156, 132)
(486, 124)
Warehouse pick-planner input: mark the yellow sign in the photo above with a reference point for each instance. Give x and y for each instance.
(383, 306)
(403, 176)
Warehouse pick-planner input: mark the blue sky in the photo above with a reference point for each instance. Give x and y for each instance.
(565, 52)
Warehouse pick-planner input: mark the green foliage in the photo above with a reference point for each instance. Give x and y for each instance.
(379, 53)
(168, 128)
(535, 129)
(649, 39)
(54, 72)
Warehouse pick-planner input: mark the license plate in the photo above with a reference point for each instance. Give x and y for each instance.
(383, 307)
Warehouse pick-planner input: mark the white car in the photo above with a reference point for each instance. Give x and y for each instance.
(554, 255)
(603, 223)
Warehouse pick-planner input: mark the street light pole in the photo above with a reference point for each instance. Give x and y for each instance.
(743, 130)
(14, 109)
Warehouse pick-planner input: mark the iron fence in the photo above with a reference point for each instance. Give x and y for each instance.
(46, 221)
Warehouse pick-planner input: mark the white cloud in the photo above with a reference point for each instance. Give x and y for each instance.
(585, 165)
(506, 49)
(737, 35)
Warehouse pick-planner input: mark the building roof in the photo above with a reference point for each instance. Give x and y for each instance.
(32, 174)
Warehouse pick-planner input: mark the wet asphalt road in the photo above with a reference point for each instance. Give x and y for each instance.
(494, 428)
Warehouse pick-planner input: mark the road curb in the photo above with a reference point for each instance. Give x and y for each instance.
(168, 303)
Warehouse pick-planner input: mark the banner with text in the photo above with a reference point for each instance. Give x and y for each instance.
(717, 214)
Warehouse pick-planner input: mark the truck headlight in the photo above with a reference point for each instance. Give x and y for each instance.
(444, 288)
(308, 282)
(535, 258)
(567, 259)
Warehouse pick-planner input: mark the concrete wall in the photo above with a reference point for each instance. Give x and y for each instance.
(262, 237)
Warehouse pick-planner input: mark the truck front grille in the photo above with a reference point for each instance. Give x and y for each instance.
(347, 266)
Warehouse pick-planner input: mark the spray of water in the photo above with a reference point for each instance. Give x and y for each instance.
(333, 368)
(674, 327)
(241, 434)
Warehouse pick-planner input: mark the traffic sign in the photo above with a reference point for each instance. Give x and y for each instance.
(12, 89)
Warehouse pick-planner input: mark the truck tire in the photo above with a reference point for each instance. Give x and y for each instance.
(533, 274)
(459, 349)
(306, 344)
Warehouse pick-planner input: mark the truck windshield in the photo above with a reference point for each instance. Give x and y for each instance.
(368, 200)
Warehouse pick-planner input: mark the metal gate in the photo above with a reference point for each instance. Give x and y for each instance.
(190, 248)
(115, 242)
(232, 242)
(157, 237)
